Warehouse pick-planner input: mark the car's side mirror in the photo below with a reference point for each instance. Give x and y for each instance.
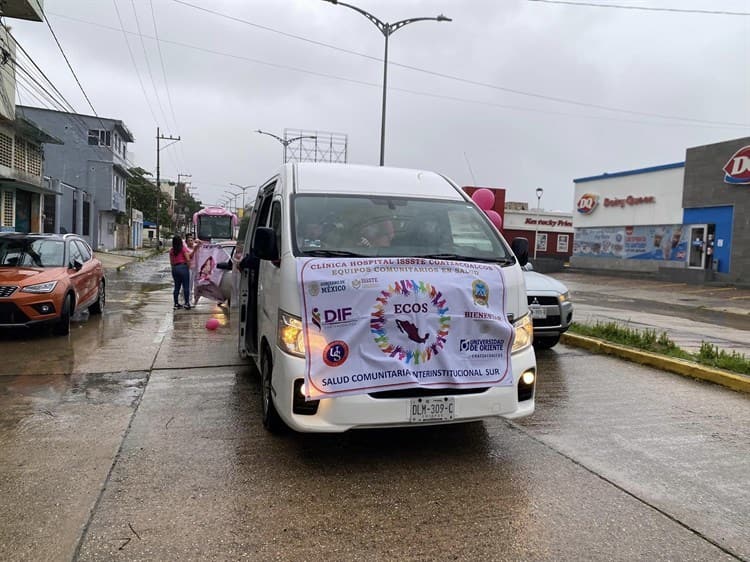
(264, 244)
(225, 265)
(520, 247)
(76, 265)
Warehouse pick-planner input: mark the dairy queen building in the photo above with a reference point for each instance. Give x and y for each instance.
(683, 221)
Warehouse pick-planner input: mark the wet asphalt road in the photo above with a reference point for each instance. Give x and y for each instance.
(139, 438)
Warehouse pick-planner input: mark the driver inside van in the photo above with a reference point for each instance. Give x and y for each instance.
(378, 234)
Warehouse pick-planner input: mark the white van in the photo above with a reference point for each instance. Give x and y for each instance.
(381, 297)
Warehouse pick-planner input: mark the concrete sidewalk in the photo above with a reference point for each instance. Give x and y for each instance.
(116, 260)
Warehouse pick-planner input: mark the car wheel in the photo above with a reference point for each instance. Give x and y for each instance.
(101, 300)
(271, 419)
(546, 343)
(62, 327)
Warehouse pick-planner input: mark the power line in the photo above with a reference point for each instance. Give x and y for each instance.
(148, 64)
(153, 81)
(175, 156)
(132, 58)
(163, 67)
(700, 122)
(85, 95)
(449, 76)
(642, 8)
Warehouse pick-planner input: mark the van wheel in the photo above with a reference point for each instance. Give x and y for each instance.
(101, 299)
(546, 343)
(271, 419)
(62, 328)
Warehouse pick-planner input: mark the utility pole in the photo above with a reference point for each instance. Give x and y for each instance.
(159, 138)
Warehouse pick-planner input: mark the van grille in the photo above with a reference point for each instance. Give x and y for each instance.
(422, 392)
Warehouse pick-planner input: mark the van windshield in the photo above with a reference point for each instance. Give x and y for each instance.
(346, 225)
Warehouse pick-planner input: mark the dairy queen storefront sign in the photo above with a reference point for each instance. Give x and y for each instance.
(684, 220)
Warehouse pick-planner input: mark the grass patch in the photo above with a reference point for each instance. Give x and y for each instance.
(650, 340)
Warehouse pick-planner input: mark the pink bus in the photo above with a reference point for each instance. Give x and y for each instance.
(213, 224)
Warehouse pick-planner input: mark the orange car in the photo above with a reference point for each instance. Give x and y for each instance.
(47, 278)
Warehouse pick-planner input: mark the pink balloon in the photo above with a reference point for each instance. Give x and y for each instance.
(212, 324)
(495, 218)
(484, 198)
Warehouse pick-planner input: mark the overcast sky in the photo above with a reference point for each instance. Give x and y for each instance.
(680, 79)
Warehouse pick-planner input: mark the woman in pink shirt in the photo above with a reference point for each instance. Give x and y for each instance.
(179, 259)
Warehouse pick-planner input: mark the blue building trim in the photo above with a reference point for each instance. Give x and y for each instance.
(606, 176)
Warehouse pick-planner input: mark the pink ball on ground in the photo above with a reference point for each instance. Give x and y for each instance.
(212, 324)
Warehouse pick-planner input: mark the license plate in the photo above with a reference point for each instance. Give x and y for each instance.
(538, 312)
(432, 409)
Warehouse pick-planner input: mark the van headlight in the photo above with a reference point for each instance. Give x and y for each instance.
(290, 334)
(524, 333)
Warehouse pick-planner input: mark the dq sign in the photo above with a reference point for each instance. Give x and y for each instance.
(737, 170)
(587, 203)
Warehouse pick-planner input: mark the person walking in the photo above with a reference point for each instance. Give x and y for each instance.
(179, 258)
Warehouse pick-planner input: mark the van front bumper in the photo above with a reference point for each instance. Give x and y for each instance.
(335, 415)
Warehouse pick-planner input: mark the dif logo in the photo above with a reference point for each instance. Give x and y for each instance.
(337, 315)
(587, 203)
(331, 316)
(737, 170)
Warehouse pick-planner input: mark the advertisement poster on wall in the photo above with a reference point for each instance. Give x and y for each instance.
(660, 242)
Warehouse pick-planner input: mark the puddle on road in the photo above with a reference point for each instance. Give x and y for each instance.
(27, 401)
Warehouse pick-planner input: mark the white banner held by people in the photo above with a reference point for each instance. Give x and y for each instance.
(375, 324)
(207, 275)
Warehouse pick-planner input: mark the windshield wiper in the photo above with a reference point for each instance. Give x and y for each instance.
(333, 254)
(459, 257)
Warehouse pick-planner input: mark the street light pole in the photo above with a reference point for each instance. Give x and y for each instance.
(539, 192)
(243, 188)
(233, 196)
(387, 29)
(285, 142)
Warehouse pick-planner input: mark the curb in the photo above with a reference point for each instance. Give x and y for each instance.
(736, 382)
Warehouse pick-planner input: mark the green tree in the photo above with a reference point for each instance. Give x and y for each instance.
(142, 194)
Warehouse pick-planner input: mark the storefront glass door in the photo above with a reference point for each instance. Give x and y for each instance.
(697, 256)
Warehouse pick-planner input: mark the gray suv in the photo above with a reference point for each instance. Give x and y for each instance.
(550, 307)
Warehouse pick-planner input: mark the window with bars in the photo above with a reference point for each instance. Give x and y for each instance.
(6, 150)
(34, 161)
(19, 155)
(9, 211)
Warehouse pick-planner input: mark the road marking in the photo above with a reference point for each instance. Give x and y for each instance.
(739, 298)
(711, 290)
(166, 325)
(667, 285)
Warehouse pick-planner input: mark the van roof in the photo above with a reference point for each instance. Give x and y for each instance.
(372, 180)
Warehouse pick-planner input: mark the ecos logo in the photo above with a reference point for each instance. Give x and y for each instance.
(587, 203)
(737, 170)
(410, 321)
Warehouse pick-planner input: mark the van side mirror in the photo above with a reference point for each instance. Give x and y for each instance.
(520, 247)
(264, 244)
(225, 265)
